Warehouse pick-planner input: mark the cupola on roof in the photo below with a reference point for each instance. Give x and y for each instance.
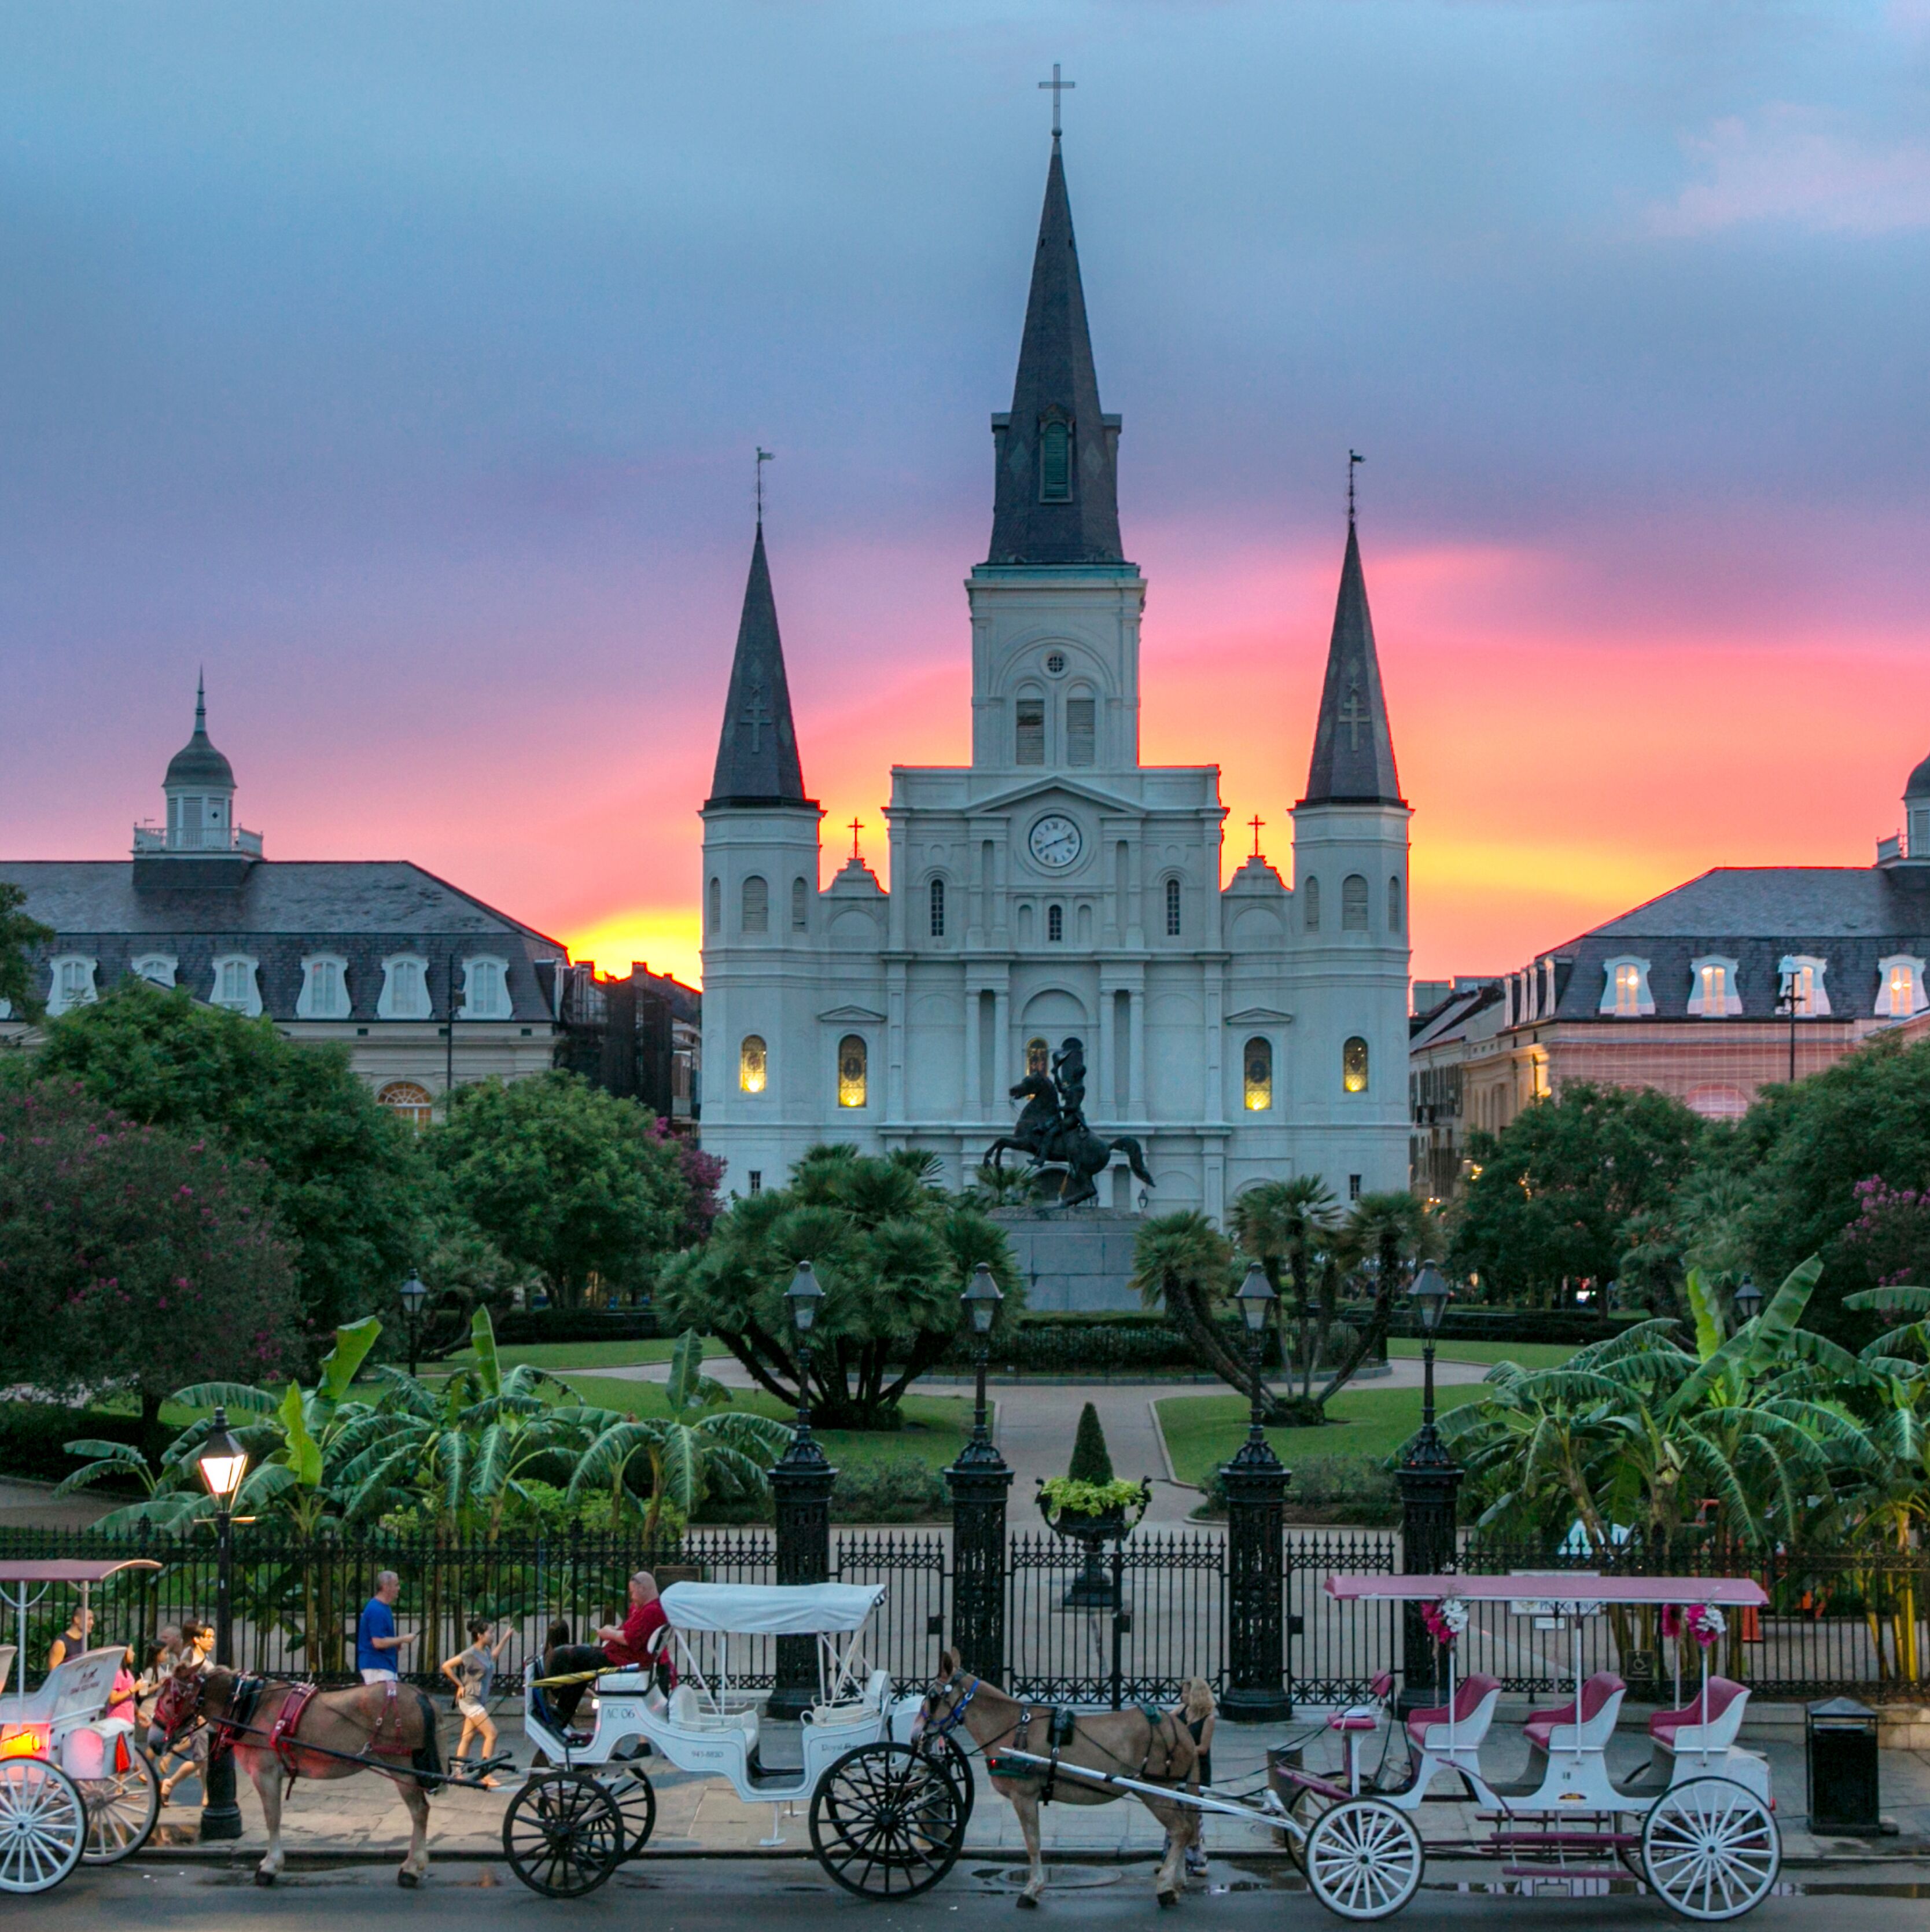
(1919, 786)
(198, 765)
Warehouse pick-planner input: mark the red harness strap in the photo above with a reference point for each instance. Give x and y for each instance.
(281, 1733)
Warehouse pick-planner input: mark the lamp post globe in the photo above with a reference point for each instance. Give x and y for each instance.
(981, 1301)
(1748, 1299)
(414, 1296)
(222, 1463)
(1255, 1299)
(1430, 1295)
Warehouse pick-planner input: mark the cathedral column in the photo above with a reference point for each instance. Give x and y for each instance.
(894, 1042)
(1215, 972)
(974, 1105)
(1002, 1034)
(1104, 1087)
(1136, 1067)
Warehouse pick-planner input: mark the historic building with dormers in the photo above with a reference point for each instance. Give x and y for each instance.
(1057, 886)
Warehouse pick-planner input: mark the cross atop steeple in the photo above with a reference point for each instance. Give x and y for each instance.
(1256, 821)
(1057, 87)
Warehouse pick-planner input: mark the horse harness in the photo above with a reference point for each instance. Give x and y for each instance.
(1061, 1727)
(236, 1723)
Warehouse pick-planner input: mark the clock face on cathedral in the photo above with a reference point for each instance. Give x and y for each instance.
(1055, 842)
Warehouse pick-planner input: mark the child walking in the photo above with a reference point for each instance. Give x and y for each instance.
(473, 1673)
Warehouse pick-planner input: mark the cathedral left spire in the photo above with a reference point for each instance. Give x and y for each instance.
(757, 751)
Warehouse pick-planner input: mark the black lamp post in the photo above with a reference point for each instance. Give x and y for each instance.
(1429, 1481)
(413, 1296)
(979, 1481)
(802, 1481)
(1748, 1300)
(223, 1462)
(1256, 1486)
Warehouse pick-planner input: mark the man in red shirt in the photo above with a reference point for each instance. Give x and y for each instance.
(625, 1646)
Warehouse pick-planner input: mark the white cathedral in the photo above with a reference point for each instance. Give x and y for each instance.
(1057, 887)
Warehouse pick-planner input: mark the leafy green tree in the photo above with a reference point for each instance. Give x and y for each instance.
(1182, 1264)
(341, 1172)
(702, 1446)
(892, 1252)
(130, 1257)
(566, 1180)
(1559, 1184)
(1285, 1225)
(18, 937)
(1092, 1462)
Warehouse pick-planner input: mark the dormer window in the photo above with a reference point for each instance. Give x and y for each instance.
(405, 988)
(1624, 989)
(1055, 461)
(1803, 993)
(158, 969)
(1900, 987)
(324, 988)
(235, 987)
(69, 983)
(1712, 987)
(485, 989)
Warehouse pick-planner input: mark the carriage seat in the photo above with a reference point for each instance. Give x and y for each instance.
(869, 1704)
(624, 1683)
(1684, 1729)
(80, 1688)
(1555, 1728)
(1363, 1717)
(686, 1712)
(1475, 1699)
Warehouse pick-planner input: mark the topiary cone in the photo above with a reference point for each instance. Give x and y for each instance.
(1090, 1461)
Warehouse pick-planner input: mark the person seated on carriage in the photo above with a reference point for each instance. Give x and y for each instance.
(72, 1641)
(624, 1646)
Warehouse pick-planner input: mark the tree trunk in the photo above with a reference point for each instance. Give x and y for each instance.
(1185, 1311)
(1378, 1324)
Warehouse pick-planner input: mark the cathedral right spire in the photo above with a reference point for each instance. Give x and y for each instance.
(1353, 749)
(757, 751)
(1056, 491)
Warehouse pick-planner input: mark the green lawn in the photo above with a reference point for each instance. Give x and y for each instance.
(1203, 1431)
(576, 1355)
(936, 1425)
(1530, 1355)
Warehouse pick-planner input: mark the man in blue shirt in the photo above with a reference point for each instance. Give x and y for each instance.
(378, 1649)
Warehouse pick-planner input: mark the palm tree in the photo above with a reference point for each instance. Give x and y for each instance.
(1388, 1235)
(1290, 1222)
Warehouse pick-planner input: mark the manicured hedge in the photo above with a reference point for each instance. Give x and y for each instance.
(525, 1327)
(32, 1434)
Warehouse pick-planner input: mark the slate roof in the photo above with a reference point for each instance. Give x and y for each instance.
(757, 750)
(1353, 748)
(362, 910)
(1056, 378)
(1850, 917)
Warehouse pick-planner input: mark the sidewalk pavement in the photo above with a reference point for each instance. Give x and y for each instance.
(363, 1815)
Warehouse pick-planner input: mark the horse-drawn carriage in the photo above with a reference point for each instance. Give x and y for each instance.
(75, 1784)
(886, 1820)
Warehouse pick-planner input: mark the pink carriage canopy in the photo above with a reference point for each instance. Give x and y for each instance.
(1561, 1586)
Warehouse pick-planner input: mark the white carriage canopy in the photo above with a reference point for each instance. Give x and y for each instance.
(772, 1609)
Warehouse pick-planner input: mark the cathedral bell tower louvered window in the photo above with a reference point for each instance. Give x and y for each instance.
(1055, 460)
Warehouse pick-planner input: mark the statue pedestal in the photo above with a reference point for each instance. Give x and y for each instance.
(1073, 1260)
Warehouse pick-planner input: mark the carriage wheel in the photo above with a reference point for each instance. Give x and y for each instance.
(952, 1755)
(1309, 1806)
(121, 1807)
(42, 1824)
(563, 1834)
(1710, 1848)
(888, 1822)
(1364, 1858)
(629, 1790)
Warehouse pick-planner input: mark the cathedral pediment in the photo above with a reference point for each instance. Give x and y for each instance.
(1066, 788)
(844, 1014)
(1260, 1016)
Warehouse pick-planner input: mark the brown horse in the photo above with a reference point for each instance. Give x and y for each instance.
(293, 1730)
(1154, 1747)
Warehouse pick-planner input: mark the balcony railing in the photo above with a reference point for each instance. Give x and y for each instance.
(149, 839)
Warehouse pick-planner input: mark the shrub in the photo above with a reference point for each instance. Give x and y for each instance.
(1355, 1489)
(1091, 1463)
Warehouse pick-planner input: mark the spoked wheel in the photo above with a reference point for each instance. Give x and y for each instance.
(42, 1824)
(951, 1754)
(563, 1834)
(1364, 1858)
(122, 1806)
(1710, 1848)
(888, 1822)
(1308, 1807)
(629, 1790)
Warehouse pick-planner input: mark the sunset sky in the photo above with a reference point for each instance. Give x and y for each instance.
(403, 364)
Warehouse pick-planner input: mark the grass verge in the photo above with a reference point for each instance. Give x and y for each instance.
(1529, 1354)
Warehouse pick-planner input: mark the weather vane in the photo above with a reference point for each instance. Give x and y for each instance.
(764, 456)
(1057, 87)
(1354, 460)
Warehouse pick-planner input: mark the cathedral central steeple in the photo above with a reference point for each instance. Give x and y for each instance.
(1056, 498)
(757, 750)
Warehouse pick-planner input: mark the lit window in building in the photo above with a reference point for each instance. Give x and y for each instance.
(1712, 994)
(1081, 730)
(1029, 714)
(1055, 463)
(1803, 992)
(1037, 1057)
(800, 906)
(938, 908)
(1258, 1061)
(1172, 908)
(750, 1064)
(1055, 923)
(1310, 905)
(1353, 904)
(1624, 989)
(412, 1102)
(851, 1071)
(757, 905)
(1394, 908)
(1353, 1066)
(1899, 988)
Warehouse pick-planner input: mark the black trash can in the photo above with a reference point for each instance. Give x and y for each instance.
(1841, 1738)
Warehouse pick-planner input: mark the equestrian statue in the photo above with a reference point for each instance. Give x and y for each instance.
(1051, 1130)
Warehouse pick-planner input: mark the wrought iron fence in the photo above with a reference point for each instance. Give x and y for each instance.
(1335, 1650)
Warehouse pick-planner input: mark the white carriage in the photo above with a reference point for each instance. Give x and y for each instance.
(886, 1820)
(75, 1783)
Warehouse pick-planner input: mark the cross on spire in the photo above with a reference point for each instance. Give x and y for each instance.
(756, 712)
(857, 826)
(1353, 716)
(764, 456)
(1354, 460)
(1256, 821)
(1056, 87)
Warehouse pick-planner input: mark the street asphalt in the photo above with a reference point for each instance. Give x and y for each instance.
(693, 1895)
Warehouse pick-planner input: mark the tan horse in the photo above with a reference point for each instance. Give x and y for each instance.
(292, 1730)
(1156, 1747)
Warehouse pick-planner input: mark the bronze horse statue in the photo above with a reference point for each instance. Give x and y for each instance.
(1051, 1131)
(294, 1730)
